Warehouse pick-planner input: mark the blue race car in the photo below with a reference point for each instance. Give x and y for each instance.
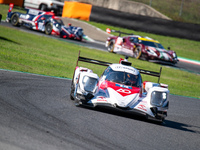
(72, 32)
(43, 21)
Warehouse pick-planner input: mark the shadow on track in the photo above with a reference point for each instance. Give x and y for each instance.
(140, 117)
(125, 114)
(181, 126)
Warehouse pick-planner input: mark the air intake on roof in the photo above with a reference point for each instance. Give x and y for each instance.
(126, 63)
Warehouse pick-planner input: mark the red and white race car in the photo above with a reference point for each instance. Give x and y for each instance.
(121, 87)
(141, 47)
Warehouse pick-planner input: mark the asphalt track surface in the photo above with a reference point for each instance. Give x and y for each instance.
(100, 45)
(37, 114)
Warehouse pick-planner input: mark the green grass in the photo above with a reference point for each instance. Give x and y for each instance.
(26, 52)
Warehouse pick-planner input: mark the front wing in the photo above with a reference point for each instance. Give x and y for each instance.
(140, 106)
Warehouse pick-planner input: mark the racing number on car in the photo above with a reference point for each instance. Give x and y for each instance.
(126, 91)
(119, 41)
(40, 26)
(23, 16)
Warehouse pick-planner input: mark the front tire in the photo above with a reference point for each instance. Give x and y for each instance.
(157, 120)
(80, 38)
(48, 28)
(72, 91)
(77, 103)
(15, 20)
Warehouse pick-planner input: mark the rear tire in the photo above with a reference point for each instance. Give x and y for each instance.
(137, 52)
(111, 46)
(81, 38)
(15, 20)
(48, 28)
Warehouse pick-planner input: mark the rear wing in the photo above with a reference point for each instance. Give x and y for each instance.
(32, 11)
(151, 73)
(94, 61)
(103, 63)
(109, 30)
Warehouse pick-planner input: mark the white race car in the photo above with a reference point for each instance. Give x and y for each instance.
(121, 87)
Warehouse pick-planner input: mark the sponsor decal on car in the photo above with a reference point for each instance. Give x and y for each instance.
(142, 107)
(101, 98)
(124, 86)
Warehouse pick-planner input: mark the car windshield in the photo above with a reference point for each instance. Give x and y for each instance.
(152, 44)
(59, 21)
(47, 16)
(123, 78)
(133, 40)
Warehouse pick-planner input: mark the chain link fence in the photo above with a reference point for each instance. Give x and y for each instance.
(179, 10)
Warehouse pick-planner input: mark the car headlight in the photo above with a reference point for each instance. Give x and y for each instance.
(151, 52)
(174, 55)
(158, 98)
(89, 83)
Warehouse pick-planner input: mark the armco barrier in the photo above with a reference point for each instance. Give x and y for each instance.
(145, 24)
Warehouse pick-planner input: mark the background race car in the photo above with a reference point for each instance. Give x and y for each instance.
(72, 32)
(125, 46)
(154, 51)
(141, 47)
(43, 21)
(34, 19)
